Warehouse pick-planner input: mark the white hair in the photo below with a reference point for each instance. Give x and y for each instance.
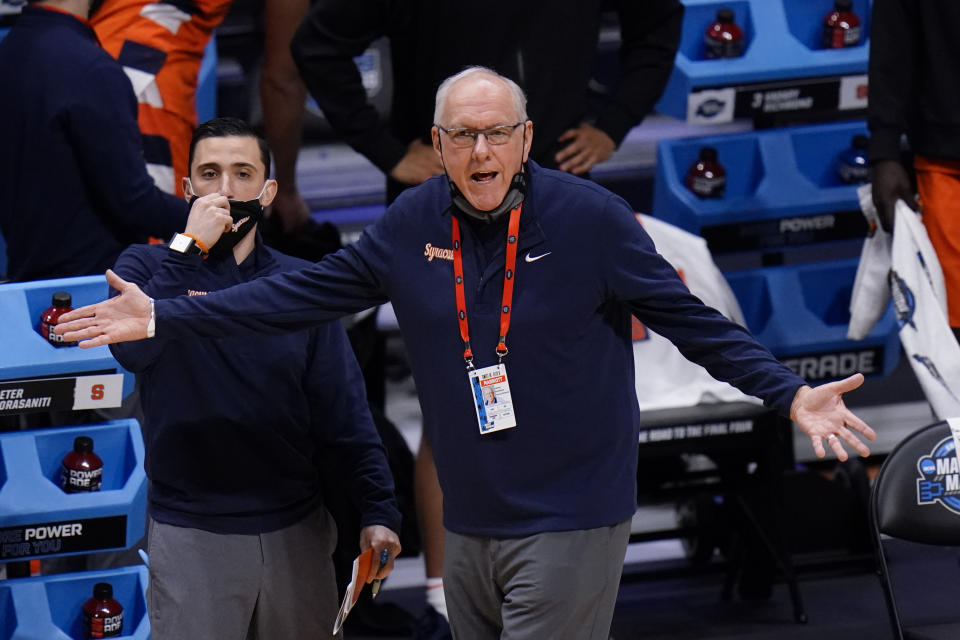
(519, 98)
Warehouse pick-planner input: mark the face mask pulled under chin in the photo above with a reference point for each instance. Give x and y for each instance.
(514, 196)
(246, 214)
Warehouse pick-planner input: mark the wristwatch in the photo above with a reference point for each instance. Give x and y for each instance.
(184, 244)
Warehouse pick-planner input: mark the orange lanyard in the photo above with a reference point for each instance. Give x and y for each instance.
(513, 232)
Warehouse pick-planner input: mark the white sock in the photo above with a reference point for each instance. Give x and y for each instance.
(435, 597)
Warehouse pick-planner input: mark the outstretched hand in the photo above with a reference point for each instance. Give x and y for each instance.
(821, 414)
(118, 319)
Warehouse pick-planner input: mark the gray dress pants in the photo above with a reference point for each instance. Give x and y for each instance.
(270, 586)
(554, 585)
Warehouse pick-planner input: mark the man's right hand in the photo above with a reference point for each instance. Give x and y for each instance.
(890, 183)
(119, 319)
(209, 219)
(420, 163)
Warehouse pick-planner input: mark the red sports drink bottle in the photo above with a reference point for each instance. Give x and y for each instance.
(724, 38)
(81, 469)
(841, 27)
(102, 615)
(707, 178)
(51, 315)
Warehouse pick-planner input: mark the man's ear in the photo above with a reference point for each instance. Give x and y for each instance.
(527, 139)
(435, 135)
(269, 192)
(187, 188)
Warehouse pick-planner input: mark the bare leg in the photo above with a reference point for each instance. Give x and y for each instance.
(430, 519)
(282, 94)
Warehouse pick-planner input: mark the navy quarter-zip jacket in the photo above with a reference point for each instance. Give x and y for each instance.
(571, 461)
(238, 428)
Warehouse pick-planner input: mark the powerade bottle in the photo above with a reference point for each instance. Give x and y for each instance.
(724, 38)
(852, 164)
(102, 615)
(841, 27)
(48, 319)
(707, 178)
(81, 469)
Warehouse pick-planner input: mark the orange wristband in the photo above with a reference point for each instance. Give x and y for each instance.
(203, 248)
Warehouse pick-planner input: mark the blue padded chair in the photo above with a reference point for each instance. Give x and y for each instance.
(915, 517)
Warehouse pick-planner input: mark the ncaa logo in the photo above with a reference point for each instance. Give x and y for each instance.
(939, 479)
(710, 108)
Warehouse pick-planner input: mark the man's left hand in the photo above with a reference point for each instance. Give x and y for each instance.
(586, 147)
(820, 413)
(380, 538)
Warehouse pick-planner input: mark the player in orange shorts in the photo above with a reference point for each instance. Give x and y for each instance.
(938, 183)
(914, 93)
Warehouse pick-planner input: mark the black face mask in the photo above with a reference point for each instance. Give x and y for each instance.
(246, 214)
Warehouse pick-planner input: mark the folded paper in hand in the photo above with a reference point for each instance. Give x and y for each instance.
(361, 569)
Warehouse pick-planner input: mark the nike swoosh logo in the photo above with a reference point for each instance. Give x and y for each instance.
(530, 258)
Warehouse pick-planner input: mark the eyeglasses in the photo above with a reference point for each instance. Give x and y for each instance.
(467, 138)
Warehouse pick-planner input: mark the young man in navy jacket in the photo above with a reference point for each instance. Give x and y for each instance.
(237, 428)
(507, 275)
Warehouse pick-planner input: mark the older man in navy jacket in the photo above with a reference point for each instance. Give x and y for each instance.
(507, 275)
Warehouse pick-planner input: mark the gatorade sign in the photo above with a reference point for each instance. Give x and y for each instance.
(814, 367)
